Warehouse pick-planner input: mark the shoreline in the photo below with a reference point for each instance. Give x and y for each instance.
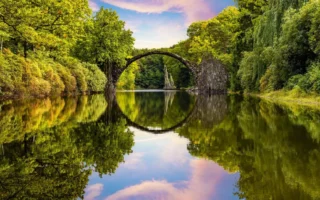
(279, 97)
(28, 98)
(285, 98)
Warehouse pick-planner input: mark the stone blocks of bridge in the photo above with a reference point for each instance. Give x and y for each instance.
(212, 77)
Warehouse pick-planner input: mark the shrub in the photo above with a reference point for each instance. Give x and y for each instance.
(42, 76)
(78, 73)
(309, 82)
(39, 87)
(51, 75)
(314, 77)
(69, 81)
(95, 78)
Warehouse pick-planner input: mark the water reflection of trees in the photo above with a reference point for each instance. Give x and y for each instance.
(156, 109)
(49, 148)
(275, 149)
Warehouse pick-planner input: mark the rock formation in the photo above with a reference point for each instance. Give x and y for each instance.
(168, 80)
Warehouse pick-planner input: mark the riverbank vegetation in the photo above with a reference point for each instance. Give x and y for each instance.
(265, 45)
(57, 47)
(52, 47)
(293, 97)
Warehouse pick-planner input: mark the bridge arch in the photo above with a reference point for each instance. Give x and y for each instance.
(172, 55)
(117, 71)
(210, 75)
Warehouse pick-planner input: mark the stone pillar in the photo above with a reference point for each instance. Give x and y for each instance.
(213, 77)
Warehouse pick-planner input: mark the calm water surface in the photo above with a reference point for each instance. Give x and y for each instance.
(158, 145)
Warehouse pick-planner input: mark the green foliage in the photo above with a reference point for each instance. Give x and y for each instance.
(182, 76)
(50, 147)
(151, 74)
(217, 35)
(266, 45)
(151, 69)
(309, 82)
(96, 79)
(128, 77)
(288, 28)
(253, 67)
(44, 25)
(38, 76)
(105, 40)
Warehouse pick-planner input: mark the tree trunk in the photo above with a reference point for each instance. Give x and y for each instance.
(25, 49)
(110, 87)
(1, 45)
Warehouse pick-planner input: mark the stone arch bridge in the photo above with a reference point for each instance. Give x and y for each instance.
(210, 75)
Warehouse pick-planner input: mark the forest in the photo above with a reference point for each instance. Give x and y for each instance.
(265, 46)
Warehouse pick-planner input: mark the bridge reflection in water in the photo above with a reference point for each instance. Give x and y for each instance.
(163, 112)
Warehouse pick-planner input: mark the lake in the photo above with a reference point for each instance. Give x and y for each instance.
(158, 145)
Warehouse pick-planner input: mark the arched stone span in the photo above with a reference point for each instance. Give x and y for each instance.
(210, 75)
(117, 71)
(188, 64)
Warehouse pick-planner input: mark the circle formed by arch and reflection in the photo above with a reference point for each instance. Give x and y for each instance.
(156, 111)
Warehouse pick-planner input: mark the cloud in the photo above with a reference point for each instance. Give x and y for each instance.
(194, 10)
(94, 6)
(177, 145)
(134, 161)
(93, 191)
(160, 34)
(205, 177)
(133, 25)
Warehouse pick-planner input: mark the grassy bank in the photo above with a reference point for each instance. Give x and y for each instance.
(293, 97)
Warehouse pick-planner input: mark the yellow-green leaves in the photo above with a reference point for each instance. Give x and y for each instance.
(105, 39)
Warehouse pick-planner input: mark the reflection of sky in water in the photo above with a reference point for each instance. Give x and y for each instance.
(161, 167)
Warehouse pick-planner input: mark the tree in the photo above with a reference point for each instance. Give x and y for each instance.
(217, 35)
(106, 42)
(51, 24)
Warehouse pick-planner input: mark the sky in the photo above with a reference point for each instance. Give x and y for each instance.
(161, 23)
(152, 171)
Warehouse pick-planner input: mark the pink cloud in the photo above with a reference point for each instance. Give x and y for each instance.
(93, 191)
(194, 10)
(205, 177)
(161, 34)
(94, 6)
